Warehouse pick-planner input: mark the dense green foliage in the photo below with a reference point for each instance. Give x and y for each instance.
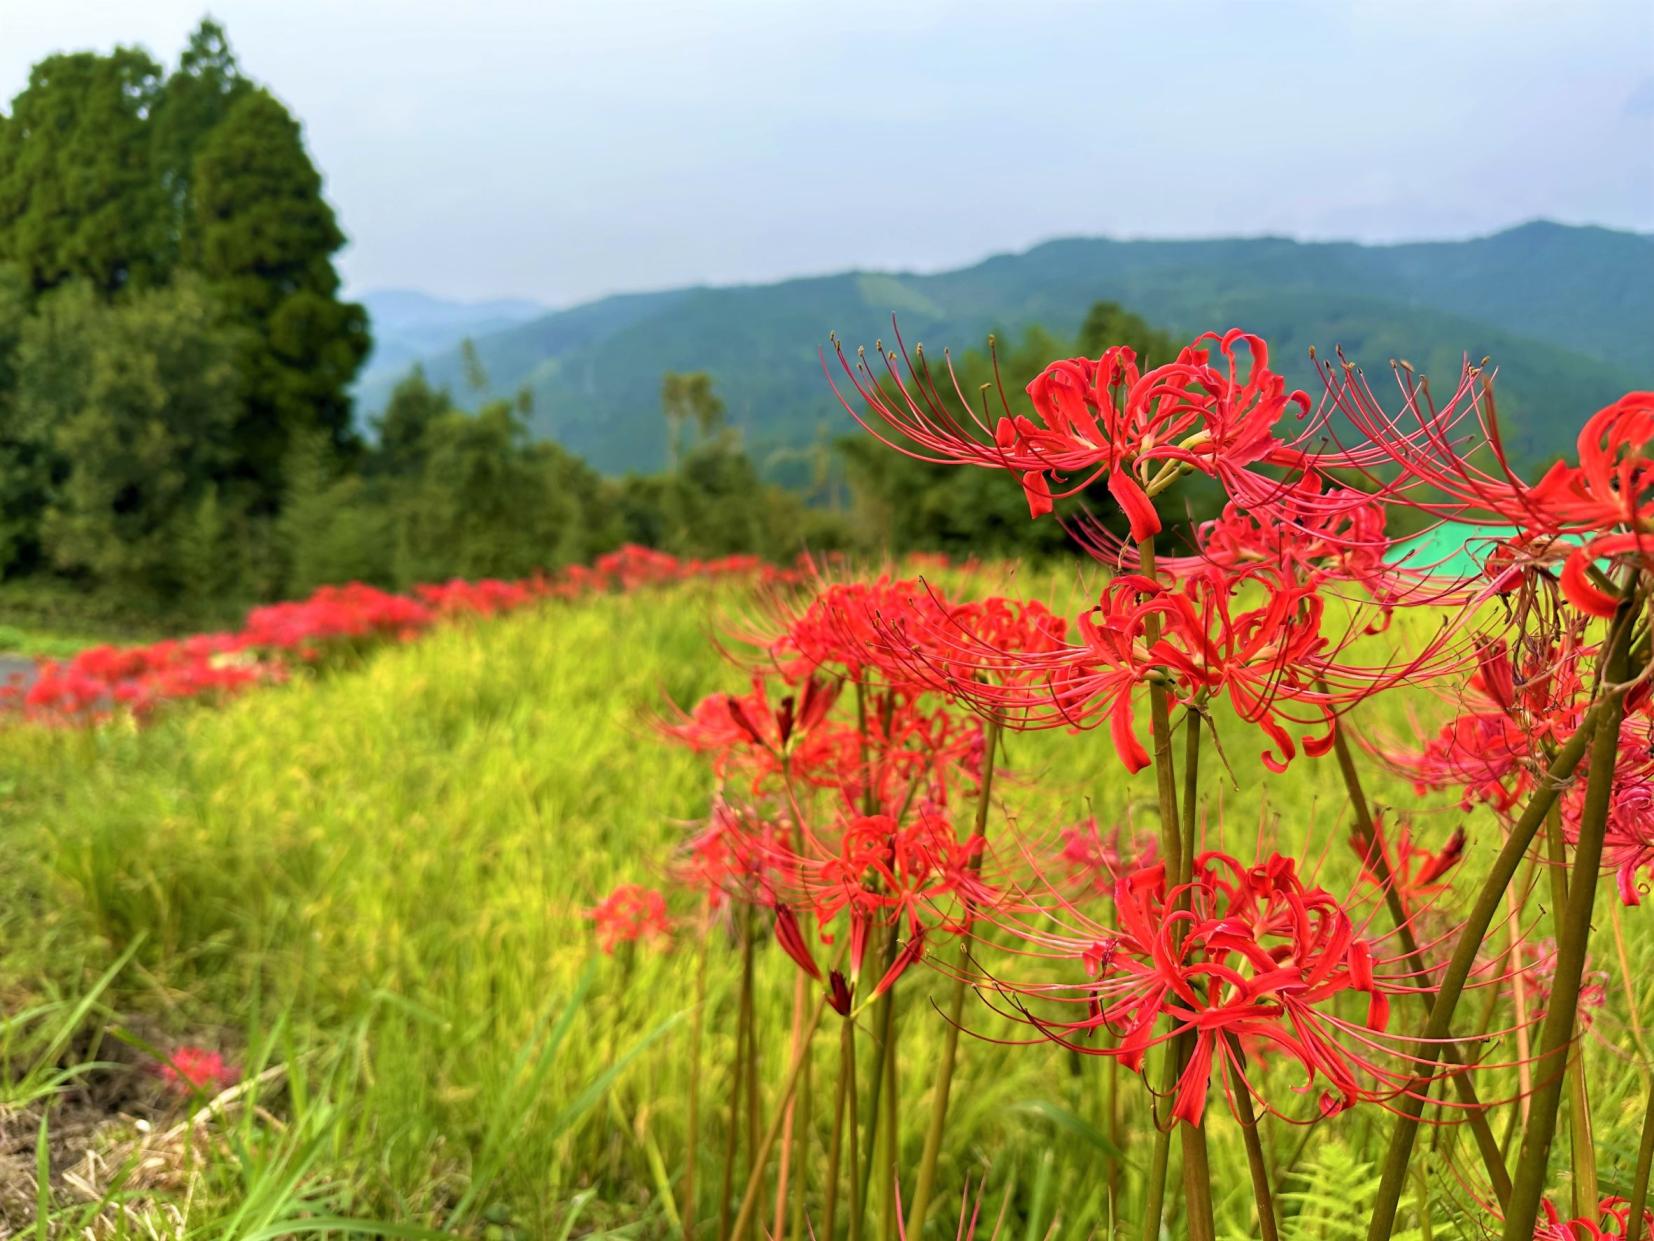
(170, 324)
(177, 437)
(1566, 313)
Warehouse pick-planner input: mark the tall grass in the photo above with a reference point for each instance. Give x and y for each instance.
(373, 881)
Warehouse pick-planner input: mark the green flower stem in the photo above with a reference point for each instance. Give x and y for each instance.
(1645, 1158)
(1411, 1105)
(1268, 1229)
(883, 1020)
(1574, 933)
(1580, 1144)
(761, 1151)
(697, 1027)
(835, 1147)
(1379, 861)
(802, 1156)
(891, 1141)
(1197, 1168)
(926, 1180)
(789, 1121)
(1154, 1189)
(738, 1080)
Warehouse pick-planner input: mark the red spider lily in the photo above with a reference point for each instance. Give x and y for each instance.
(1271, 660)
(1249, 952)
(1612, 1222)
(1418, 872)
(628, 914)
(191, 1071)
(1629, 844)
(748, 729)
(841, 629)
(1537, 964)
(1311, 535)
(1095, 862)
(734, 857)
(1101, 419)
(889, 875)
(1484, 753)
(1512, 708)
(1576, 515)
(911, 880)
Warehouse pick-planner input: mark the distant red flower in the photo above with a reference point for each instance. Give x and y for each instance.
(1536, 961)
(1417, 871)
(628, 914)
(1095, 861)
(195, 1070)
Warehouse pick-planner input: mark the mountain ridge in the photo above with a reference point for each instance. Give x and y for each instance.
(1567, 312)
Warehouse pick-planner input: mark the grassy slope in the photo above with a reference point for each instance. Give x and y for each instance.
(377, 877)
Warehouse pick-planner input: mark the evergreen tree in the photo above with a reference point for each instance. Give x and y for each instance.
(266, 240)
(25, 470)
(141, 398)
(484, 505)
(1109, 323)
(689, 400)
(413, 406)
(196, 97)
(78, 193)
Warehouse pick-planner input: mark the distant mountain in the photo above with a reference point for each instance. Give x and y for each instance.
(408, 326)
(1566, 313)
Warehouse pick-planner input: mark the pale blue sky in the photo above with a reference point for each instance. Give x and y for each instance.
(479, 148)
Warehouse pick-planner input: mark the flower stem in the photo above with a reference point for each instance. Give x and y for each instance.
(892, 1135)
(883, 1019)
(1378, 859)
(765, 1144)
(1255, 1161)
(1580, 1146)
(790, 1109)
(835, 1148)
(852, 1129)
(750, 1020)
(1197, 1169)
(697, 1026)
(1411, 1104)
(1556, 1036)
(1154, 1190)
(738, 1079)
(926, 1179)
(802, 1156)
(1645, 1159)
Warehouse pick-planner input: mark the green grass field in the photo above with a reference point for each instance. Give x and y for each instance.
(367, 887)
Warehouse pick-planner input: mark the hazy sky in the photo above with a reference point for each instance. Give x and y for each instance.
(558, 150)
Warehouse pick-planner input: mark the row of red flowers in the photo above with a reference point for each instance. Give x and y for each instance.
(104, 681)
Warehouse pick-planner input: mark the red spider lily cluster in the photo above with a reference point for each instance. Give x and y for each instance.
(106, 681)
(1242, 958)
(628, 914)
(193, 1071)
(854, 819)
